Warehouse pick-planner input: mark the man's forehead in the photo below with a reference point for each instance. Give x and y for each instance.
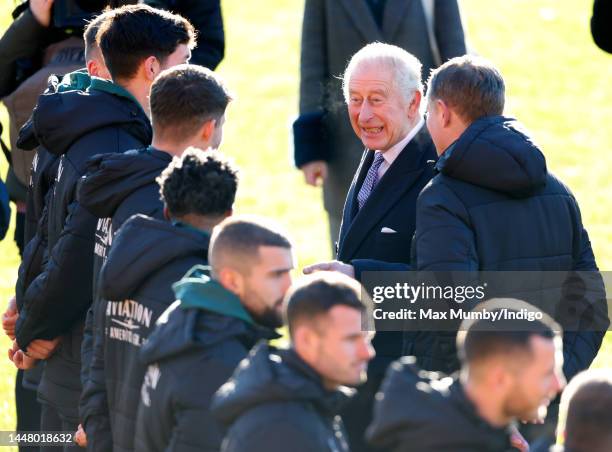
(371, 77)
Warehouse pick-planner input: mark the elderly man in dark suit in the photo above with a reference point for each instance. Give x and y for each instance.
(383, 90)
(326, 149)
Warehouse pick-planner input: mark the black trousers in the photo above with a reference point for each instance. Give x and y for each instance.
(28, 411)
(51, 421)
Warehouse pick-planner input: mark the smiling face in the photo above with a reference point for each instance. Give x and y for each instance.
(538, 382)
(379, 113)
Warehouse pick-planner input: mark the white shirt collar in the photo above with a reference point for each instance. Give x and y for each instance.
(391, 154)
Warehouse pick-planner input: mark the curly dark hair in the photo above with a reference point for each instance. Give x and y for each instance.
(200, 182)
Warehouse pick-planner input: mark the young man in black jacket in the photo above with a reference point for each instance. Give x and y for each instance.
(137, 42)
(203, 336)
(289, 400)
(511, 370)
(187, 104)
(147, 256)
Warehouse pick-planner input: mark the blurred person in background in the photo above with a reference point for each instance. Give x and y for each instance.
(206, 18)
(325, 146)
(510, 371)
(290, 400)
(585, 413)
(600, 24)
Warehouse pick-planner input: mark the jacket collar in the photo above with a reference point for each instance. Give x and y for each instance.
(100, 84)
(196, 290)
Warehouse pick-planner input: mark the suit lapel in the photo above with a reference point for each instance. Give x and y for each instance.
(351, 205)
(361, 15)
(395, 12)
(398, 179)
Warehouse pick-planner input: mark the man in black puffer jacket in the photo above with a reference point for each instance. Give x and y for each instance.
(495, 207)
(290, 400)
(187, 106)
(76, 125)
(201, 338)
(147, 256)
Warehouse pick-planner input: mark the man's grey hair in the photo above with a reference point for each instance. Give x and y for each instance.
(406, 68)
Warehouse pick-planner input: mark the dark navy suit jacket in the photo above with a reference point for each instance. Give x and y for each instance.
(391, 205)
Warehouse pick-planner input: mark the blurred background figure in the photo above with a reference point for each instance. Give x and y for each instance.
(326, 148)
(206, 18)
(600, 24)
(585, 415)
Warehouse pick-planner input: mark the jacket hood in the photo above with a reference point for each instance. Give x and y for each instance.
(113, 177)
(159, 243)
(272, 375)
(62, 117)
(495, 153)
(436, 402)
(77, 80)
(181, 330)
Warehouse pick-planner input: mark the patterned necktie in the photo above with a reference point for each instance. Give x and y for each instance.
(370, 180)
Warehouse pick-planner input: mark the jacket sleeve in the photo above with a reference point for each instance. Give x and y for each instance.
(600, 24)
(51, 308)
(582, 340)
(449, 29)
(308, 129)
(207, 19)
(284, 435)
(34, 258)
(22, 39)
(443, 238)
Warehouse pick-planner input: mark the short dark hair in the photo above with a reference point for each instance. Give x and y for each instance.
(199, 182)
(482, 338)
(313, 296)
(236, 241)
(91, 31)
(184, 97)
(135, 32)
(472, 86)
(587, 403)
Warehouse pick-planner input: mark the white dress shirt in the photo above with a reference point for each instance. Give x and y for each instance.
(395, 150)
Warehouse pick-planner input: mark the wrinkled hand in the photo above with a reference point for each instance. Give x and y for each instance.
(517, 441)
(41, 10)
(9, 318)
(331, 266)
(42, 349)
(20, 359)
(80, 437)
(315, 172)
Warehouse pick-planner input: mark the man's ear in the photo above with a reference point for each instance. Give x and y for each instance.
(415, 105)
(444, 112)
(167, 213)
(305, 341)
(151, 67)
(232, 280)
(208, 130)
